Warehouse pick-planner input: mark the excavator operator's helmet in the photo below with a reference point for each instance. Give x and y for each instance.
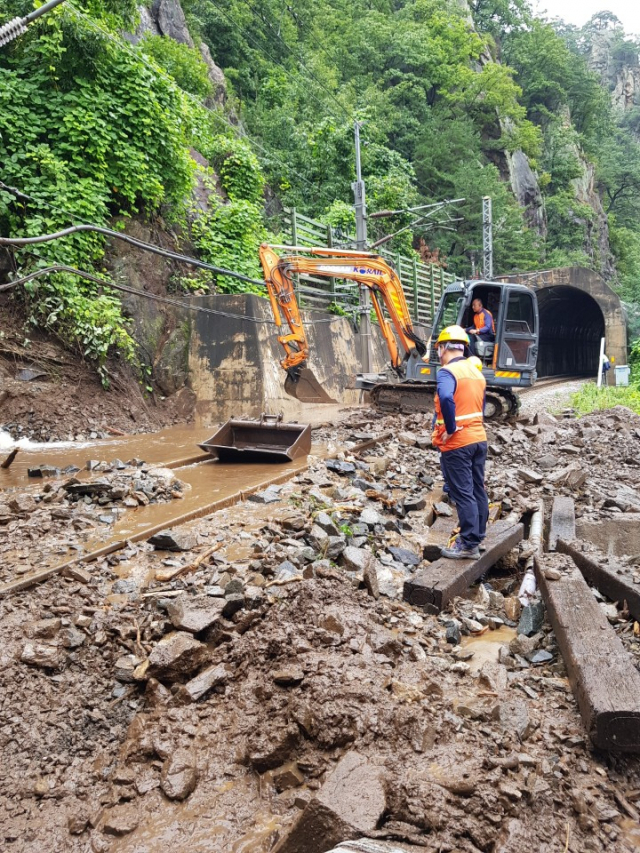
(475, 361)
(453, 338)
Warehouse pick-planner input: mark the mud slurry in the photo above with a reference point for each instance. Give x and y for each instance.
(99, 756)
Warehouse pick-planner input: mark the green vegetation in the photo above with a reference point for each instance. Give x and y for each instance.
(87, 132)
(93, 128)
(593, 399)
(590, 398)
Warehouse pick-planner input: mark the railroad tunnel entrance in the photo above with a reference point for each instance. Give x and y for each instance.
(577, 309)
(571, 327)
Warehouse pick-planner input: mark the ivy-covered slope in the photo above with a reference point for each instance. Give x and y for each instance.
(454, 98)
(93, 129)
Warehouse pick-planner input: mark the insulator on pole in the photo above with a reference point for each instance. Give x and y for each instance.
(18, 26)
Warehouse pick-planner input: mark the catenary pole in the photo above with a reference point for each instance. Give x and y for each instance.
(360, 204)
(487, 239)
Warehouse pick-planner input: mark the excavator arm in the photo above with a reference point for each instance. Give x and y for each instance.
(362, 267)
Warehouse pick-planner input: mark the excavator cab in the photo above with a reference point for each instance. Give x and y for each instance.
(510, 360)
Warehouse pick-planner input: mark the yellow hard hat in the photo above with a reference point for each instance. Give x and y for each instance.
(453, 334)
(475, 361)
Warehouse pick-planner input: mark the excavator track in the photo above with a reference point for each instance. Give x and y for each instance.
(416, 398)
(404, 398)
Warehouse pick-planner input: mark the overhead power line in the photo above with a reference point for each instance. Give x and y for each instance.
(22, 242)
(105, 282)
(25, 242)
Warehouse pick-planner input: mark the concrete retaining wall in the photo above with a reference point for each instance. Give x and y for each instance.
(234, 363)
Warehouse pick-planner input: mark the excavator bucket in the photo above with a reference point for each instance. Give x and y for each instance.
(263, 440)
(305, 387)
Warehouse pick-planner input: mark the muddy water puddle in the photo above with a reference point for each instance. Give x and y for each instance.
(207, 824)
(159, 448)
(485, 647)
(210, 483)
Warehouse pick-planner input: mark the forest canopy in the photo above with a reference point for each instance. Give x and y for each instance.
(451, 99)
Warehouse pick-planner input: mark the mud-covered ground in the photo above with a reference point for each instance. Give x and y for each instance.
(50, 394)
(197, 699)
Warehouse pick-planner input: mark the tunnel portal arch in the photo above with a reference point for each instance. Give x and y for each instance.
(577, 308)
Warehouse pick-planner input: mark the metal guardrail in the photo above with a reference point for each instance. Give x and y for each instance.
(423, 284)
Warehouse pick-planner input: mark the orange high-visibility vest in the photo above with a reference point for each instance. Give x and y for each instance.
(478, 320)
(469, 399)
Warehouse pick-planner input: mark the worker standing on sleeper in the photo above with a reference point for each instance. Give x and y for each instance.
(460, 436)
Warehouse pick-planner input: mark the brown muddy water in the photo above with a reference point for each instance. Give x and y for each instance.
(160, 448)
(212, 485)
(485, 646)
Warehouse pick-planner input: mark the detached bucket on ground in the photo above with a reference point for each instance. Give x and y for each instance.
(263, 440)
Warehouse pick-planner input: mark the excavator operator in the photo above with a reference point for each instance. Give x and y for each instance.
(483, 327)
(460, 436)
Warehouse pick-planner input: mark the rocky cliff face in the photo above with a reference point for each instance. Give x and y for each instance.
(597, 239)
(166, 18)
(524, 185)
(621, 78)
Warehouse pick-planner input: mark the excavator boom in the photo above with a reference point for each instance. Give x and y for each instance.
(366, 269)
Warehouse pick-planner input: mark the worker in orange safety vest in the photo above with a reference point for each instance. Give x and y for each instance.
(483, 328)
(460, 435)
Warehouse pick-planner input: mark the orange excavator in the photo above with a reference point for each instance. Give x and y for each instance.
(364, 268)
(508, 362)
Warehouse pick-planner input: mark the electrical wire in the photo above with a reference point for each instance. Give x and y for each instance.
(167, 300)
(131, 290)
(22, 242)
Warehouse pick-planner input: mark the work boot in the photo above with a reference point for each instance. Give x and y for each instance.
(459, 551)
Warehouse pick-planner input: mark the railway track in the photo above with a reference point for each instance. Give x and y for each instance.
(549, 381)
(199, 508)
(203, 507)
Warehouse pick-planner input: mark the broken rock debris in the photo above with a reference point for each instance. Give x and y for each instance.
(284, 677)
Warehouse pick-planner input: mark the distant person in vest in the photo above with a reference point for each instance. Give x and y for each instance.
(483, 326)
(460, 436)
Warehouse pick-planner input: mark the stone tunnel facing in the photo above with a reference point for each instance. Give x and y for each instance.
(571, 327)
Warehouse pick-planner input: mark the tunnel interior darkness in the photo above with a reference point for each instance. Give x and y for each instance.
(571, 327)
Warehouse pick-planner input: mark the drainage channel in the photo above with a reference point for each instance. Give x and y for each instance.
(204, 475)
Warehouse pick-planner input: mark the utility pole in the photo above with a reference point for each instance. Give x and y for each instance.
(487, 239)
(360, 204)
(18, 26)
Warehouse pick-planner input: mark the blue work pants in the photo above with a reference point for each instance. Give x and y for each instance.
(464, 474)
